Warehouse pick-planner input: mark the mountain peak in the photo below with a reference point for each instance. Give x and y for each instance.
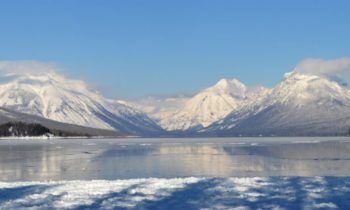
(295, 75)
(226, 83)
(306, 82)
(222, 83)
(207, 106)
(233, 87)
(53, 96)
(300, 76)
(301, 104)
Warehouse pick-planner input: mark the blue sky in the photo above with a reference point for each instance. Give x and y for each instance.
(130, 48)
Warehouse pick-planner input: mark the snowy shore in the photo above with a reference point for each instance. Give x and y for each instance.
(180, 193)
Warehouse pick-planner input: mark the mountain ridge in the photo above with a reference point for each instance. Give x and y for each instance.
(299, 100)
(10, 116)
(53, 96)
(300, 104)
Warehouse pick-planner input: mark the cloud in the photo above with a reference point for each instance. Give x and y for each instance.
(10, 70)
(28, 68)
(324, 67)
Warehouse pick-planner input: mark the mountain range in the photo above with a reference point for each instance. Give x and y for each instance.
(302, 104)
(51, 95)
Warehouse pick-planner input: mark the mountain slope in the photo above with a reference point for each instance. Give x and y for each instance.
(207, 106)
(184, 114)
(53, 96)
(158, 107)
(301, 104)
(7, 116)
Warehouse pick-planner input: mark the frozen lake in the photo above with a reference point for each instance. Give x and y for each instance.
(86, 159)
(205, 173)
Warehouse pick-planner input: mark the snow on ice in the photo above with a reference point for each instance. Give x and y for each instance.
(180, 193)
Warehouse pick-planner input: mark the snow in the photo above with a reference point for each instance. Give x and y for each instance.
(201, 110)
(47, 136)
(205, 107)
(52, 95)
(300, 103)
(180, 193)
(158, 107)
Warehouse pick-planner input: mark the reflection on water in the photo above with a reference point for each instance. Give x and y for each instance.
(138, 158)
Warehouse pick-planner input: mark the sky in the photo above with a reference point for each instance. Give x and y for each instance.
(130, 48)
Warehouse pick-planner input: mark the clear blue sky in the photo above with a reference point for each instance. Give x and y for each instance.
(132, 48)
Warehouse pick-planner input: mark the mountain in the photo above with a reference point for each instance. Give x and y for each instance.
(207, 106)
(183, 113)
(158, 107)
(302, 104)
(61, 129)
(53, 96)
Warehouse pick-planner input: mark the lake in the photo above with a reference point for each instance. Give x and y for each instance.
(186, 173)
(85, 159)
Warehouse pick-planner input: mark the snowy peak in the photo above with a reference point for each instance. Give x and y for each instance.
(203, 109)
(158, 107)
(301, 88)
(301, 104)
(207, 106)
(53, 96)
(231, 87)
(295, 77)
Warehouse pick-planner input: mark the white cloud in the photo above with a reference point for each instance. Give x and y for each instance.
(28, 68)
(324, 67)
(10, 70)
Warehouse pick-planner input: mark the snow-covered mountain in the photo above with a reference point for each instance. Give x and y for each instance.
(207, 106)
(199, 111)
(59, 128)
(158, 107)
(53, 96)
(302, 104)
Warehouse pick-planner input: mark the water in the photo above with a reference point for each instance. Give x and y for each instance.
(87, 159)
(205, 173)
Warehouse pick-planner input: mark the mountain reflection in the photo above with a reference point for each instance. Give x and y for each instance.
(41, 161)
(298, 159)
(113, 159)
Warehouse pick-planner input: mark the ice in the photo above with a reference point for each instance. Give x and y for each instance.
(180, 193)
